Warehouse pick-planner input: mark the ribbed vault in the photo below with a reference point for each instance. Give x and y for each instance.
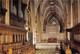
(49, 8)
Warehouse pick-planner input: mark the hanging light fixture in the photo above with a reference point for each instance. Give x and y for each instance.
(52, 8)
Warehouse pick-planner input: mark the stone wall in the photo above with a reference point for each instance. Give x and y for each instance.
(51, 32)
(59, 36)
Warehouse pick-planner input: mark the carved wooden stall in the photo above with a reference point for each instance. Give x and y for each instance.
(74, 38)
(13, 36)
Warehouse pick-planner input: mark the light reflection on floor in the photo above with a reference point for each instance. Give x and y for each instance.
(46, 51)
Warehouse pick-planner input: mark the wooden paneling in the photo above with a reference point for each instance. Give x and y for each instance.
(2, 39)
(76, 33)
(75, 37)
(13, 36)
(10, 38)
(17, 21)
(13, 40)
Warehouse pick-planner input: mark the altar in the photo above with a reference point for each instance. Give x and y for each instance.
(50, 39)
(47, 45)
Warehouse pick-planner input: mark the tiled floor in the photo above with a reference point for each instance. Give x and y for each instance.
(47, 51)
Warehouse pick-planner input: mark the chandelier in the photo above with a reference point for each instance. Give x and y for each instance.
(52, 5)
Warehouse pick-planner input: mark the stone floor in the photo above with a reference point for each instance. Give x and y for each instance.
(46, 51)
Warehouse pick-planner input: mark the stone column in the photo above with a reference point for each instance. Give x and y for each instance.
(68, 21)
(71, 13)
(75, 12)
(7, 19)
(33, 24)
(78, 11)
(19, 8)
(26, 26)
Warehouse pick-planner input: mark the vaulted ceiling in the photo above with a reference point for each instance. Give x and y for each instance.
(49, 8)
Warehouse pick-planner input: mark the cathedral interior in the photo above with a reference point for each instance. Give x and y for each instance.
(39, 26)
